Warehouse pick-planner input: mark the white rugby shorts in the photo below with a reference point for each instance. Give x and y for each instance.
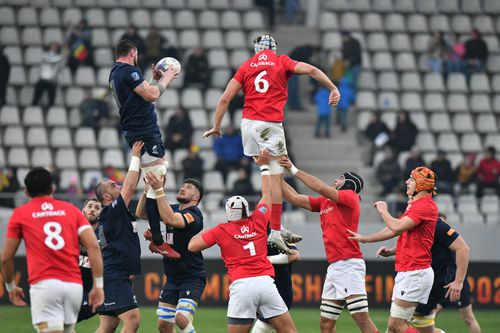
(345, 278)
(253, 295)
(258, 135)
(413, 286)
(55, 300)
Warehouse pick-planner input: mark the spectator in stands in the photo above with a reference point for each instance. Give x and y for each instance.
(56, 176)
(94, 110)
(414, 160)
(236, 104)
(158, 47)
(338, 68)
(445, 178)
(8, 187)
(52, 62)
(388, 172)
(404, 135)
(351, 53)
(302, 53)
(437, 50)
(197, 70)
(243, 186)
(73, 189)
(4, 78)
(488, 172)
(270, 8)
(229, 151)
(476, 52)
(90, 190)
(466, 172)
(179, 131)
(79, 44)
(347, 90)
(193, 164)
(132, 35)
(378, 133)
(456, 56)
(324, 111)
(114, 174)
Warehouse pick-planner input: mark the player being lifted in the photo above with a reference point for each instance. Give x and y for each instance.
(134, 97)
(242, 241)
(338, 206)
(415, 228)
(264, 80)
(52, 230)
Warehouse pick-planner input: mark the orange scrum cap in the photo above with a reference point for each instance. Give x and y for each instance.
(425, 179)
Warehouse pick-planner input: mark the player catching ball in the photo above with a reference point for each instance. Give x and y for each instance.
(264, 80)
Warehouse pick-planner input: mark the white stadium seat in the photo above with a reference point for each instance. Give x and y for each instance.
(60, 137)
(37, 137)
(65, 158)
(18, 157)
(85, 137)
(41, 157)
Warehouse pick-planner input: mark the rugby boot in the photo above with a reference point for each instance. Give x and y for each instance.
(148, 235)
(278, 243)
(289, 236)
(165, 250)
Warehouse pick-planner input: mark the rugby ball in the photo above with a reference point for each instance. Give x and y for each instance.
(164, 64)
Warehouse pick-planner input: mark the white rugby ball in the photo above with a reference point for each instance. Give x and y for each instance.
(164, 64)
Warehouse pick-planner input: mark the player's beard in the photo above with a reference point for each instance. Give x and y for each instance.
(182, 200)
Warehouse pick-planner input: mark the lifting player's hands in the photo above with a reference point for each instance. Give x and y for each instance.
(356, 237)
(96, 298)
(334, 97)
(155, 182)
(381, 206)
(137, 148)
(384, 251)
(285, 162)
(16, 296)
(263, 158)
(212, 131)
(454, 290)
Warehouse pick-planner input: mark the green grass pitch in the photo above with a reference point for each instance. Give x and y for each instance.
(213, 320)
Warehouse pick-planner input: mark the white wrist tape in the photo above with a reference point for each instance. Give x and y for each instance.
(278, 259)
(99, 282)
(135, 164)
(10, 286)
(294, 170)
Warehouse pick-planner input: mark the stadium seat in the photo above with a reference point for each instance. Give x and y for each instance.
(212, 96)
(41, 157)
(117, 18)
(198, 118)
(14, 55)
(65, 79)
(366, 100)
(382, 6)
(17, 76)
(65, 158)
(461, 24)
(220, 78)
(434, 82)
(9, 115)
(33, 55)
(472, 218)
(238, 57)
(176, 4)
(388, 101)
(456, 82)
(189, 39)
(484, 23)
(7, 16)
(85, 76)
(426, 6)
(235, 40)
(32, 116)
(208, 19)
(96, 18)
(253, 19)
(217, 58)
(479, 82)
(328, 21)
(447, 142)
(242, 4)
(493, 64)
(471, 6)
(439, 23)
(103, 58)
(13, 136)
(400, 42)
(90, 177)
(9, 35)
(219, 4)
(331, 40)
(480, 103)
(3, 161)
(230, 20)
(350, 21)
(60, 137)
(445, 203)
(85, 137)
(440, 122)
(179, 156)
(496, 103)
(49, 17)
(382, 61)
(492, 42)
(457, 103)
(395, 23)
(18, 157)
(37, 137)
(74, 96)
(470, 143)
(420, 43)
(169, 99)
(405, 62)
(191, 98)
(185, 19)
(338, 5)
(419, 119)
(410, 81)
(411, 102)
(377, 42)
(89, 3)
(490, 140)
(388, 81)
(52, 35)
(140, 18)
(462, 123)
(426, 142)
(232, 176)
(486, 123)
(88, 158)
(26, 16)
(113, 157)
(71, 15)
(68, 177)
(108, 138)
(448, 6)
(209, 159)
(490, 204)
(256, 180)
(363, 119)
(162, 18)
(367, 81)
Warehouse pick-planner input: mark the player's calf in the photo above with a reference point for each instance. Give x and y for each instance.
(166, 319)
(184, 315)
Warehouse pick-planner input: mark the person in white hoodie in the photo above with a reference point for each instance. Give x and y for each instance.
(51, 64)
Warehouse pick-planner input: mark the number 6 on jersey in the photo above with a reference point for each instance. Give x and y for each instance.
(260, 81)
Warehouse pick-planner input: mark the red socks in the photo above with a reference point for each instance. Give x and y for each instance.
(411, 329)
(276, 210)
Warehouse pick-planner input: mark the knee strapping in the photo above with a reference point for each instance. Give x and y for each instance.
(357, 304)
(188, 329)
(275, 168)
(49, 326)
(166, 314)
(424, 321)
(261, 327)
(398, 311)
(187, 308)
(330, 310)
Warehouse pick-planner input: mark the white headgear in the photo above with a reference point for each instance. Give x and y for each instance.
(265, 42)
(237, 208)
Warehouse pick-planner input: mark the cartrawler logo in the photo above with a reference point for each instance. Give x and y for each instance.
(245, 229)
(47, 206)
(263, 57)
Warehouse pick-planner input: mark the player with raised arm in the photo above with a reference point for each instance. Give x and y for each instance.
(464, 302)
(51, 230)
(242, 241)
(134, 97)
(264, 81)
(415, 229)
(186, 277)
(338, 205)
(91, 210)
(117, 232)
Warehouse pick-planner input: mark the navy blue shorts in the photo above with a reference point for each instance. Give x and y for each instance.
(437, 293)
(153, 144)
(85, 310)
(175, 290)
(464, 300)
(119, 295)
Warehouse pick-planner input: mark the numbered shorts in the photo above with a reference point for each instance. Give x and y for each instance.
(344, 278)
(464, 300)
(413, 286)
(55, 300)
(253, 295)
(258, 135)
